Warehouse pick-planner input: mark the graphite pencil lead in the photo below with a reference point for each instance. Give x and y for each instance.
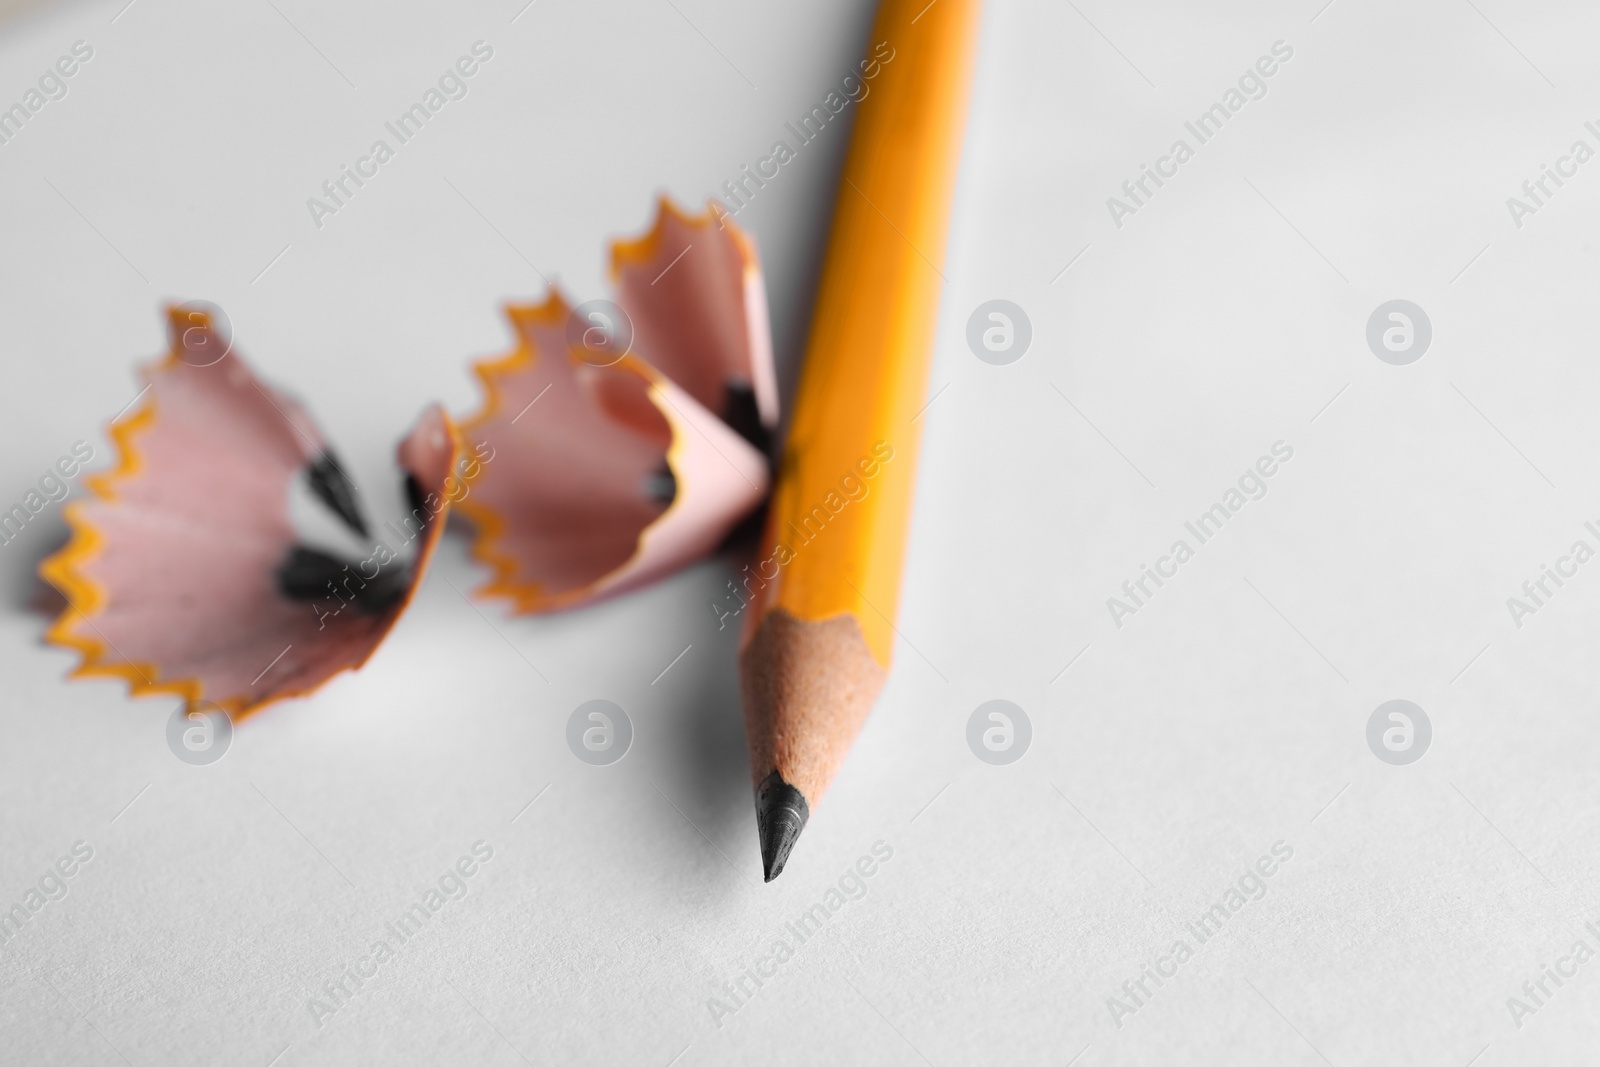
(781, 813)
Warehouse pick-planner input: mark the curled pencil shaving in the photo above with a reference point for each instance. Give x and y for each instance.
(693, 289)
(615, 476)
(183, 572)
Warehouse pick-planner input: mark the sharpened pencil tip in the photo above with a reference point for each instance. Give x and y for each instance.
(781, 813)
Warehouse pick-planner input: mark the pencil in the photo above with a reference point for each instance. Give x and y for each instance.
(819, 632)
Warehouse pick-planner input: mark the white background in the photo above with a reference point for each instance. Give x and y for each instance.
(1229, 714)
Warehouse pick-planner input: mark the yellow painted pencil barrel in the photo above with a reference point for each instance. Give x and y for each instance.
(819, 639)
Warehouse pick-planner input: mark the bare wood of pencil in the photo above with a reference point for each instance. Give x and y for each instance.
(817, 644)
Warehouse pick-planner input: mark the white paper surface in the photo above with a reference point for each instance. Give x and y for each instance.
(1228, 714)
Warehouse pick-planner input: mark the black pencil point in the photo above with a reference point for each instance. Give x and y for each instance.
(781, 813)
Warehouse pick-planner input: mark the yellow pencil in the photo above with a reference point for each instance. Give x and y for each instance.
(819, 634)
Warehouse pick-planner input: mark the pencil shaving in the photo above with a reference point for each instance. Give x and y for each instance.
(615, 476)
(693, 289)
(181, 568)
